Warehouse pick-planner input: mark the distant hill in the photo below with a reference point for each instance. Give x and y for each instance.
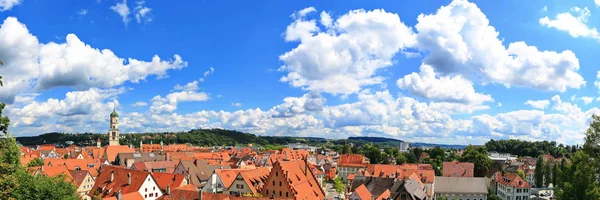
(381, 141)
(374, 139)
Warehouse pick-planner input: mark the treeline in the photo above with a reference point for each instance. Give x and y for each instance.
(198, 137)
(533, 149)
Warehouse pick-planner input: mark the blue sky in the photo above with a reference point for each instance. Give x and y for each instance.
(442, 71)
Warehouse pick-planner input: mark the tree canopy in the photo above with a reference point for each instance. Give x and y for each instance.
(478, 156)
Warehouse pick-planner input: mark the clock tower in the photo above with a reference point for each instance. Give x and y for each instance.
(113, 133)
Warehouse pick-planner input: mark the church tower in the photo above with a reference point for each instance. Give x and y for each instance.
(113, 133)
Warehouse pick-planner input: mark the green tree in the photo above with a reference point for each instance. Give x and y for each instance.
(521, 173)
(338, 185)
(346, 149)
(555, 172)
(478, 156)
(538, 176)
(411, 157)
(547, 173)
(35, 162)
(401, 159)
(579, 180)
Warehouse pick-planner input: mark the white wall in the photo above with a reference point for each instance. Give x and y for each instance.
(150, 187)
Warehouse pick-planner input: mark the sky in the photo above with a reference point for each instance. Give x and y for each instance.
(451, 72)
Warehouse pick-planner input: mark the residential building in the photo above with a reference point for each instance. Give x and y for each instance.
(249, 182)
(458, 169)
(197, 171)
(110, 152)
(380, 188)
(167, 181)
(350, 164)
(404, 146)
(292, 179)
(512, 187)
(84, 182)
(125, 183)
(472, 188)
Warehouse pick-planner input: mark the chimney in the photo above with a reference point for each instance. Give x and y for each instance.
(128, 178)
(168, 189)
(119, 195)
(112, 176)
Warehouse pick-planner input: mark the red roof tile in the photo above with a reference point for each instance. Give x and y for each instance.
(352, 160)
(108, 188)
(512, 180)
(363, 193)
(168, 179)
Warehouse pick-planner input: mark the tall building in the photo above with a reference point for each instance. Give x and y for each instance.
(113, 133)
(404, 146)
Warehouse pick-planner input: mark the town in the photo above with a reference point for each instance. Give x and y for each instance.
(149, 171)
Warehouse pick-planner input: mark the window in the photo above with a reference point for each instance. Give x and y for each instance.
(280, 193)
(151, 195)
(276, 173)
(146, 190)
(279, 183)
(267, 191)
(273, 183)
(156, 194)
(145, 196)
(286, 194)
(153, 188)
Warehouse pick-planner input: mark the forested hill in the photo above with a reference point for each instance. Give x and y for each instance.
(201, 137)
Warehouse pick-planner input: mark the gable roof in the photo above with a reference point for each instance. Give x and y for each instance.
(512, 180)
(168, 165)
(78, 176)
(108, 188)
(352, 160)
(54, 171)
(301, 180)
(168, 179)
(459, 169)
(363, 193)
(255, 177)
(186, 192)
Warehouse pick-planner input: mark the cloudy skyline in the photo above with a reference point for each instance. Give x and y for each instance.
(452, 72)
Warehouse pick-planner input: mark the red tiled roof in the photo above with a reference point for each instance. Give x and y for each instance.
(458, 169)
(168, 179)
(228, 175)
(78, 176)
(301, 181)
(108, 188)
(46, 147)
(214, 196)
(254, 177)
(129, 196)
(385, 195)
(53, 171)
(169, 166)
(363, 193)
(512, 180)
(186, 192)
(112, 151)
(352, 160)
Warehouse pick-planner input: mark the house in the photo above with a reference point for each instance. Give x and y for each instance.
(292, 179)
(127, 159)
(54, 171)
(186, 192)
(220, 180)
(512, 187)
(83, 181)
(198, 171)
(387, 188)
(350, 164)
(155, 166)
(167, 181)
(249, 182)
(458, 169)
(461, 187)
(125, 183)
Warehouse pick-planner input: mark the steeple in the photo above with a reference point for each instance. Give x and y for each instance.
(98, 143)
(113, 133)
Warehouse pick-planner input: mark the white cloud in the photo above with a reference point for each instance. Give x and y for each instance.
(597, 82)
(312, 101)
(8, 4)
(326, 19)
(140, 104)
(576, 26)
(597, 2)
(545, 8)
(499, 104)
(460, 41)
(142, 13)
(236, 104)
(122, 9)
(586, 100)
(207, 73)
(303, 12)
(447, 89)
(169, 103)
(540, 104)
(82, 12)
(29, 64)
(346, 56)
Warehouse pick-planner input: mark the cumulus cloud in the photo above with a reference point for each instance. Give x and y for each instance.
(576, 26)
(8, 4)
(447, 89)
(539, 104)
(312, 101)
(31, 65)
(236, 104)
(343, 57)
(82, 12)
(122, 9)
(460, 41)
(185, 93)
